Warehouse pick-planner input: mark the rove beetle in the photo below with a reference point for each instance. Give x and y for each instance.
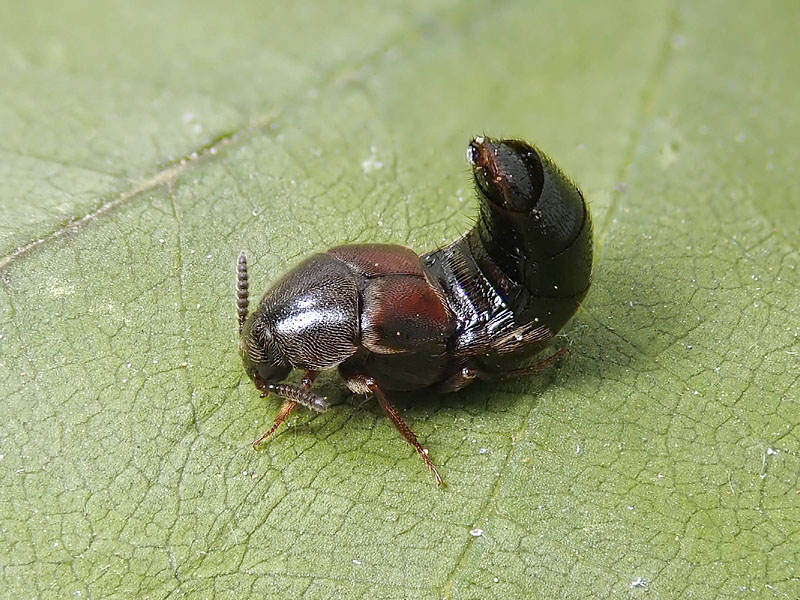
(392, 320)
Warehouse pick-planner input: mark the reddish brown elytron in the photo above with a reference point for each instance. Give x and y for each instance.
(389, 319)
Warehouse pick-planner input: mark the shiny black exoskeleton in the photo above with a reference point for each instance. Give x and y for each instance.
(392, 320)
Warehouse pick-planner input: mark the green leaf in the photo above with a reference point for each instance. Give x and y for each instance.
(146, 144)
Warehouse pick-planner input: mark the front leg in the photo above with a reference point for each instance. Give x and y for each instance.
(292, 396)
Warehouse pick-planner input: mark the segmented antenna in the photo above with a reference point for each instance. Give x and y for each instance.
(241, 289)
(297, 394)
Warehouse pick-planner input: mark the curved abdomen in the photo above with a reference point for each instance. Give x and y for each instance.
(525, 266)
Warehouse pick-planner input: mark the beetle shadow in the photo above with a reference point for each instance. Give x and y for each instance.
(479, 397)
(598, 352)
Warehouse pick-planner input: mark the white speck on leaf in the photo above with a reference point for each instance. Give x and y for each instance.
(372, 163)
(477, 532)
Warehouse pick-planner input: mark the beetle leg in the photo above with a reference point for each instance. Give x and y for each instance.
(290, 403)
(404, 429)
(308, 379)
(526, 370)
(459, 380)
(283, 412)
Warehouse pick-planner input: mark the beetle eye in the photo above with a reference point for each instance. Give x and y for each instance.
(472, 153)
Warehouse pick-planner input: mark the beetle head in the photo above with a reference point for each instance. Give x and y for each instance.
(508, 173)
(262, 360)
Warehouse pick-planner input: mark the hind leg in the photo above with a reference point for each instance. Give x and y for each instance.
(467, 375)
(533, 369)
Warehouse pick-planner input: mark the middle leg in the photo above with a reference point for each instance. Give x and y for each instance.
(400, 425)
